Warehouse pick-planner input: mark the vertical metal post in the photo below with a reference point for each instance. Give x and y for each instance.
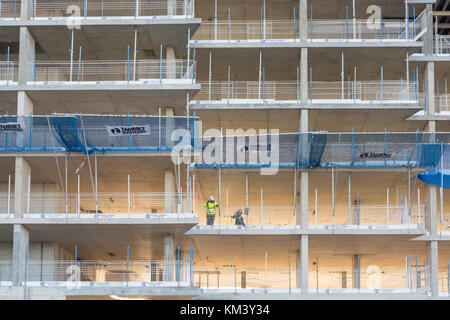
(298, 85)
(295, 29)
(9, 195)
(246, 193)
(71, 56)
(215, 19)
(357, 207)
(26, 265)
(210, 74)
(418, 205)
(349, 198)
(260, 74)
(332, 191)
(354, 20)
(387, 205)
(407, 75)
(359, 273)
(381, 83)
(406, 20)
(85, 9)
(134, 53)
(346, 23)
(7, 66)
(381, 25)
(265, 274)
(310, 24)
(437, 95)
(262, 214)
(229, 14)
(129, 197)
(128, 261)
(316, 209)
(228, 86)
(191, 268)
(227, 207)
(178, 265)
(79, 64)
(235, 276)
(289, 268)
(310, 85)
(66, 187)
(342, 75)
(161, 62)
(29, 194)
(78, 195)
(317, 273)
(96, 185)
(76, 263)
(128, 63)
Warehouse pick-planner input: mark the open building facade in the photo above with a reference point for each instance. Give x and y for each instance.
(325, 122)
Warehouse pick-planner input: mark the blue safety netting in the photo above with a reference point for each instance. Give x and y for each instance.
(322, 149)
(439, 174)
(88, 133)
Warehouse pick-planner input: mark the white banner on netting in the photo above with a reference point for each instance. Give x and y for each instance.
(118, 131)
(11, 127)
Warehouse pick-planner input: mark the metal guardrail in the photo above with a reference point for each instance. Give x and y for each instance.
(325, 149)
(106, 71)
(10, 9)
(263, 30)
(109, 8)
(82, 133)
(8, 72)
(273, 91)
(116, 203)
(441, 44)
(369, 215)
(441, 102)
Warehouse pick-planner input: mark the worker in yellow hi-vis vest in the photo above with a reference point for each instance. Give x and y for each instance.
(210, 207)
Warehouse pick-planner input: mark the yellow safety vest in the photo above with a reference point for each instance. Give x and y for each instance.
(210, 207)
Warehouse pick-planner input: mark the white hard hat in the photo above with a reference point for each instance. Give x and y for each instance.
(211, 198)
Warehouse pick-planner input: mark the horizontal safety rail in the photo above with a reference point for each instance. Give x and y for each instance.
(381, 30)
(110, 8)
(106, 71)
(86, 273)
(319, 91)
(323, 149)
(87, 133)
(441, 102)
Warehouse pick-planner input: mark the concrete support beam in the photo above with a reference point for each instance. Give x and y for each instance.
(304, 188)
(304, 246)
(24, 104)
(169, 192)
(303, 19)
(21, 238)
(355, 277)
(169, 269)
(22, 172)
(171, 62)
(432, 274)
(26, 9)
(170, 125)
(304, 75)
(430, 90)
(26, 54)
(428, 36)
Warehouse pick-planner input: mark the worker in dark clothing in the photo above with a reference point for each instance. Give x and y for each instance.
(239, 219)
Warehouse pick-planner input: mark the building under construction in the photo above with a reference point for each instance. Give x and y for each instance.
(319, 128)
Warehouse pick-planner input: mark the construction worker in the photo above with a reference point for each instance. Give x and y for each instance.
(239, 218)
(210, 207)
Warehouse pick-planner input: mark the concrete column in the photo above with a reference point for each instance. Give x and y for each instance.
(170, 126)
(304, 188)
(172, 7)
(24, 104)
(432, 275)
(26, 9)
(169, 192)
(303, 17)
(24, 108)
(428, 37)
(21, 238)
(304, 263)
(26, 54)
(168, 258)
(171, 63)
(429, 77)
(22, 171)
(355, 278)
